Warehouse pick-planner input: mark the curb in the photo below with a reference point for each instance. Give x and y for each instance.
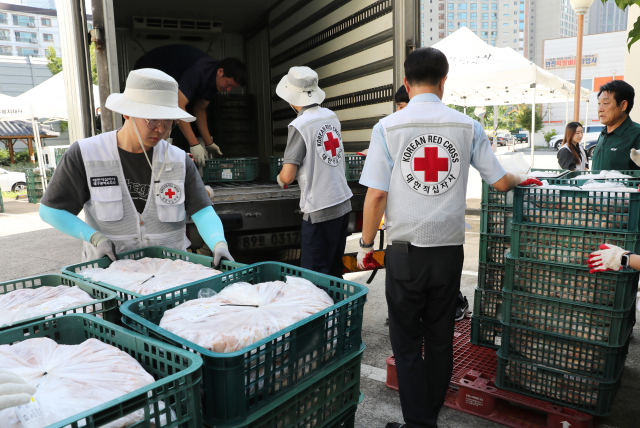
(472, 211)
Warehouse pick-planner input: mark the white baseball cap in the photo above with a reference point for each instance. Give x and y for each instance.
(300, 88)
(149, 94)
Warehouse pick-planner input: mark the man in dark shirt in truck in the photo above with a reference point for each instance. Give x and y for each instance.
(199, 78)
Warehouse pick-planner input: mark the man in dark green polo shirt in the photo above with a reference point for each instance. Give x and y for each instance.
(621, 135)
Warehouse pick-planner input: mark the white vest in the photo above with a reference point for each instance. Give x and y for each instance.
(430, 145)
(111, 210)
(322, 174)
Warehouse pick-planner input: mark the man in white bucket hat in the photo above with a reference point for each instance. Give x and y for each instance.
(135, 188)
(315, 154)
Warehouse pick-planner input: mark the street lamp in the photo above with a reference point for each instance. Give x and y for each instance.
(581, 7)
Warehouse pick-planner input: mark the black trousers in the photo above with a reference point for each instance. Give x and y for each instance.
(323, 244)
(422, 289)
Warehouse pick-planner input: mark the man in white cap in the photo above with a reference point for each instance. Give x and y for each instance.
(135, 188)
(316, 154)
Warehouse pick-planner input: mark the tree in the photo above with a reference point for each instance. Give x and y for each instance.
(634, 34)
(523, 118)
(54, 62)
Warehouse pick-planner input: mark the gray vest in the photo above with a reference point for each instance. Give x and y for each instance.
(322, 174)
(430, 145)
(111, 210)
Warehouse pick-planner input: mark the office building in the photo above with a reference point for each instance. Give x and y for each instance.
(607, 17)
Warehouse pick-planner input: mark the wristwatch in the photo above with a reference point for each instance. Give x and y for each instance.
(625, 259)
(363, 245)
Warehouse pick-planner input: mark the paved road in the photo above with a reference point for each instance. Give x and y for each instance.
(30, 247)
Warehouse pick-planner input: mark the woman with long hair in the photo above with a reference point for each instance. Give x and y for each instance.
(571, 155)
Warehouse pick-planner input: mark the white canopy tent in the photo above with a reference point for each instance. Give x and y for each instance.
(48, 101)
(484, 75)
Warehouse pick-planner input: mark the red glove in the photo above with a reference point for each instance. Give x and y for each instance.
(369, 263)
(531, 182)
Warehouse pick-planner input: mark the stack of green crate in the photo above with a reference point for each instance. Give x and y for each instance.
(34, 184)
(495, 231)
(565, 331)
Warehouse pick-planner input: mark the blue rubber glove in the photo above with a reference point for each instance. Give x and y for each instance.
(66, 222)
(210, 227)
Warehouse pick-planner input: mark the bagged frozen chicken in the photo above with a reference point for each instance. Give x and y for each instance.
(149, 275)
(70, 379)
(27, 303)
(243, 313)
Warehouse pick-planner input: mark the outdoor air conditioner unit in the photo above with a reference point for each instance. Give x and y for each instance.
(189, 30)
(32, 24)
(34, 40)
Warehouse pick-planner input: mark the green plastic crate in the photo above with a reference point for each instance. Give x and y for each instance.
(486, 332)
(176, 371)
(58, 154)
(491, 196)
(490, 276)
(284, 360)
(104, 297)
(487, 304)
(609, 290)
(230, 169)
(566, 389)
(275, 166)
(1, 202)
(496, 220)
(353, 166)
(493, 248)
(327, 400)
(563, 246)
(583, 358)
(34, 184)
(573, 177)
(567, 319)
(154, 252)
(584, 209)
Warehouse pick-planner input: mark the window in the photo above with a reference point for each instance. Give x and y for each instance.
(24, 37)
(493, 42)
(462, 6)
(5, 50)
(515, 40)
(5, 35)
(450, 16)
(505, 24)
(24, 21)
(485, 16)
(494, 34)
(47, 37)
(521, 26)
(450, 6)
(474, 24)
(485, 34)
(28, 52)
(494, 25)
(3, 19)
(473, 6)
(46, 22)
(450, 24)
(494, 15)
(462, 15)
(505, 14)
(494, 6)
(485, 25)
(474, 15)
(485, 7)
(462, 24)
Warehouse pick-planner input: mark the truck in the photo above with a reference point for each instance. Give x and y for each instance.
(357, 47)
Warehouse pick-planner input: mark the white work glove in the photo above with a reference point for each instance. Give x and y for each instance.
(365, 258)
(104, 246)
(220, 251)
(199, 155)
(14, 390)
(209, 192)
(525, 180)
(606, 259)
(281, 183)
(213, 150)
(635, 156)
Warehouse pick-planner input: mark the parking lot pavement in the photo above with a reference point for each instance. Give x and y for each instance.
(29, 247)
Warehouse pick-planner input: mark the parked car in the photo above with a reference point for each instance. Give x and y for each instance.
(589, 147)
(521, 138)
(12, 181)
(592, 133)
(504, 138)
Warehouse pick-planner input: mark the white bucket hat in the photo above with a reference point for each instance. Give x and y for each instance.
(300, 87)
(149, 94)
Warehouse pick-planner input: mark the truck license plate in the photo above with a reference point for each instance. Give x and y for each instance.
(268, 240)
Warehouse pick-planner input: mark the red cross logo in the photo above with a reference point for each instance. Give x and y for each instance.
(331, 144)
(170, 193)
(431, 164)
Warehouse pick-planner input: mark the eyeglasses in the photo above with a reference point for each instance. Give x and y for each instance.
(166, 124)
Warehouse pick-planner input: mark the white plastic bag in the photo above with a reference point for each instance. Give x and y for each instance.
(27, 303)
(243, 313)
(70, 379)
(149, 275)
(514, 163)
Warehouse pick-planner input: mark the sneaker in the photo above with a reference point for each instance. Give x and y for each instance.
(394, 425)
(461, 310)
